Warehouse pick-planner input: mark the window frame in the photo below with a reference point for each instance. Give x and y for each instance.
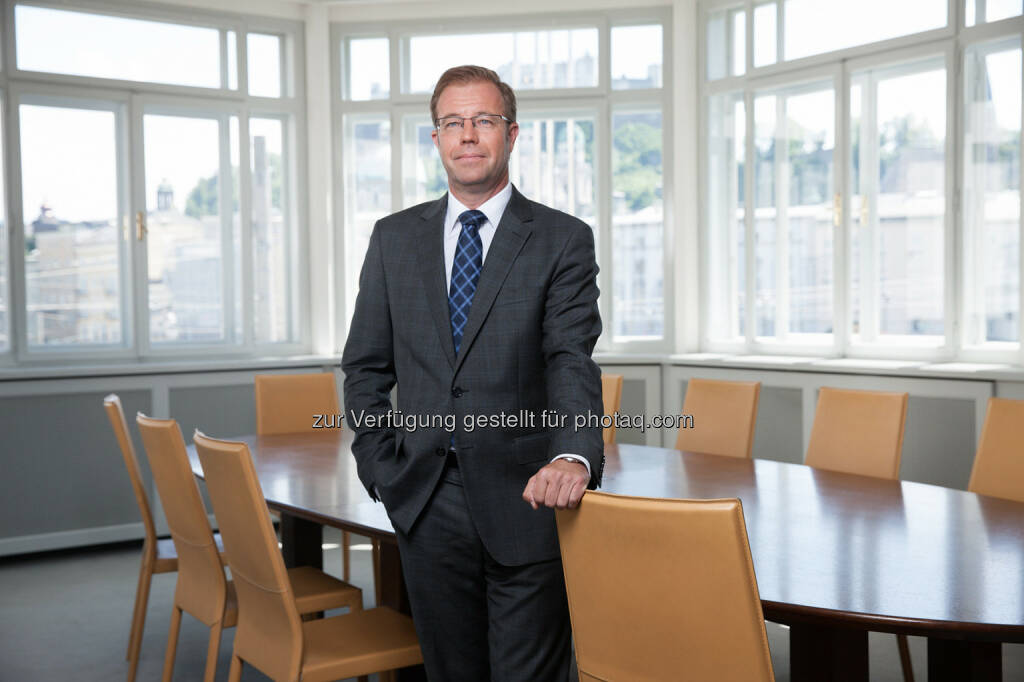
(949, 42)
(136, 96)
(401, 103)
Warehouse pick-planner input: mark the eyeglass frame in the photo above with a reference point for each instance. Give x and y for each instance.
(463, 119)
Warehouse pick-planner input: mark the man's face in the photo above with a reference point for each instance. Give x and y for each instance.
(476, 160)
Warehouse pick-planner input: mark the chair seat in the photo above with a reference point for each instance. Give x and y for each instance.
(167, 556)
(314, 591)
(357, 644)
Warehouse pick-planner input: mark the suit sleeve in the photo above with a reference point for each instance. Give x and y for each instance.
(369, 366)
(572, 324)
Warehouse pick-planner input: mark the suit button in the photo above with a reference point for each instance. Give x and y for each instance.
(457, 392)
(441, 452)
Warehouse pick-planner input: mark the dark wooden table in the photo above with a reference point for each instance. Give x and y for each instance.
(836, 555)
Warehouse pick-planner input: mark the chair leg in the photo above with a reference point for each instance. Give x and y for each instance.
(141, 604)
(375, 552)
(235, 674)
(905, 662)
(172, 644)
(137, 618)
(346, 539)
(212, 650)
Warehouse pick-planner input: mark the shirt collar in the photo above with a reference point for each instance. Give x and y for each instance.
(493, 208)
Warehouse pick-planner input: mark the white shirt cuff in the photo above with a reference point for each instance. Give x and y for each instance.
(575, 458)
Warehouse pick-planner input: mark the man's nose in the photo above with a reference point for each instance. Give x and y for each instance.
(468, 130)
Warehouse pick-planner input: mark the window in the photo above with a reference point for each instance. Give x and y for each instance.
(5, 342)
(103, 46)
(201, 253)
(841, 215)
(590, 141)
(991, 193)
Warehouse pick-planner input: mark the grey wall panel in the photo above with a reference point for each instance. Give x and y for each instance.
(779, 431)
(217, 411)
(62, 469)
(633, 402)
(939, 441)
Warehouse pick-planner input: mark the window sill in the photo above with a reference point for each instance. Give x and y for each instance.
(901, 368)
(180, 366)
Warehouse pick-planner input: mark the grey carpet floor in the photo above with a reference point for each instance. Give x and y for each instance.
(65, 616)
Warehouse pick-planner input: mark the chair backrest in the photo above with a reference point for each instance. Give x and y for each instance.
(724, 415)
(269, 632)
(675, 597)
(611, 394)
(999, 463)
(115, 413)
(286, 403)
(202, 587)
(858, 432)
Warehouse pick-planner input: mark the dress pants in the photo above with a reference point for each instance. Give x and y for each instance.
(476, 619)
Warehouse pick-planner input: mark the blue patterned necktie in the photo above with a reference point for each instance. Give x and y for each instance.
(469, 257)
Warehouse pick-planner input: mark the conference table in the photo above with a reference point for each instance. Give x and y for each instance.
(835, 555)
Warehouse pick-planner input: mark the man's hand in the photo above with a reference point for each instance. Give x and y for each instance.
(560, 484)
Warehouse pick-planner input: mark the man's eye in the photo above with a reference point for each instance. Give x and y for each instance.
(485, 123)
(452, 125)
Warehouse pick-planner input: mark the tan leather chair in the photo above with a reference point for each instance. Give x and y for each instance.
(673, 596)
(158, 556)
(724, 415)
(858, 432)
(202, 588)
(999, 463)
(286, 403)
(611, 394)
(270, 635)
(861, 432)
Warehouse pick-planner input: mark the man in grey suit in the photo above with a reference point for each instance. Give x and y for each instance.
(482, 308)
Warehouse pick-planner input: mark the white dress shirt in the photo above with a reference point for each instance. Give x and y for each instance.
(493, 209)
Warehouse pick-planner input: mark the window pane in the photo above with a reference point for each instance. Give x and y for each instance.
(81, 44)
(524, 59)
(5, 342)
(367, 168)
(638, 244)
(717, 46)
(725, 217)
(993, 10)
(272, 245)
(369, 69)
(423, 176)
(739, 42)
(765, 233)
(991, 193)
(232, 60)
(186, 230)
(766, 39)
(814, 27)
(636, 57)
(264, 64)
(898, 154)
(553, 163)
(72, 240)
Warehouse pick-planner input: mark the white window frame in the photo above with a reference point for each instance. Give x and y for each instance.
(608, 100)
(949, 42)
(135, 97)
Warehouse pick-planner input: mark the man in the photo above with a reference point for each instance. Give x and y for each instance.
(478, 305)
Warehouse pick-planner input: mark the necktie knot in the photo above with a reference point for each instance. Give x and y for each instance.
(472, 220)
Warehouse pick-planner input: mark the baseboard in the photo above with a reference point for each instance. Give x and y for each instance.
(82, 537)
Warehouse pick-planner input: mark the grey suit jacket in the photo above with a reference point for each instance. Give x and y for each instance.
(526, 347)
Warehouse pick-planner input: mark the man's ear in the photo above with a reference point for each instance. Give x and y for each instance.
(513, 134)
(433, 136)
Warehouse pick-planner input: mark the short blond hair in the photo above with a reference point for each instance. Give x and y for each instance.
(463, 75)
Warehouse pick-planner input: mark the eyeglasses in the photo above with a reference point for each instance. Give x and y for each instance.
(450, 125)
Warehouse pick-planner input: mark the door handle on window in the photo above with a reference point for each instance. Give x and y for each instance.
(140, 226)
(837, 209)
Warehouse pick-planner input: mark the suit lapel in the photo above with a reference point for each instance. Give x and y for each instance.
(430, 233)
(511, 234)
